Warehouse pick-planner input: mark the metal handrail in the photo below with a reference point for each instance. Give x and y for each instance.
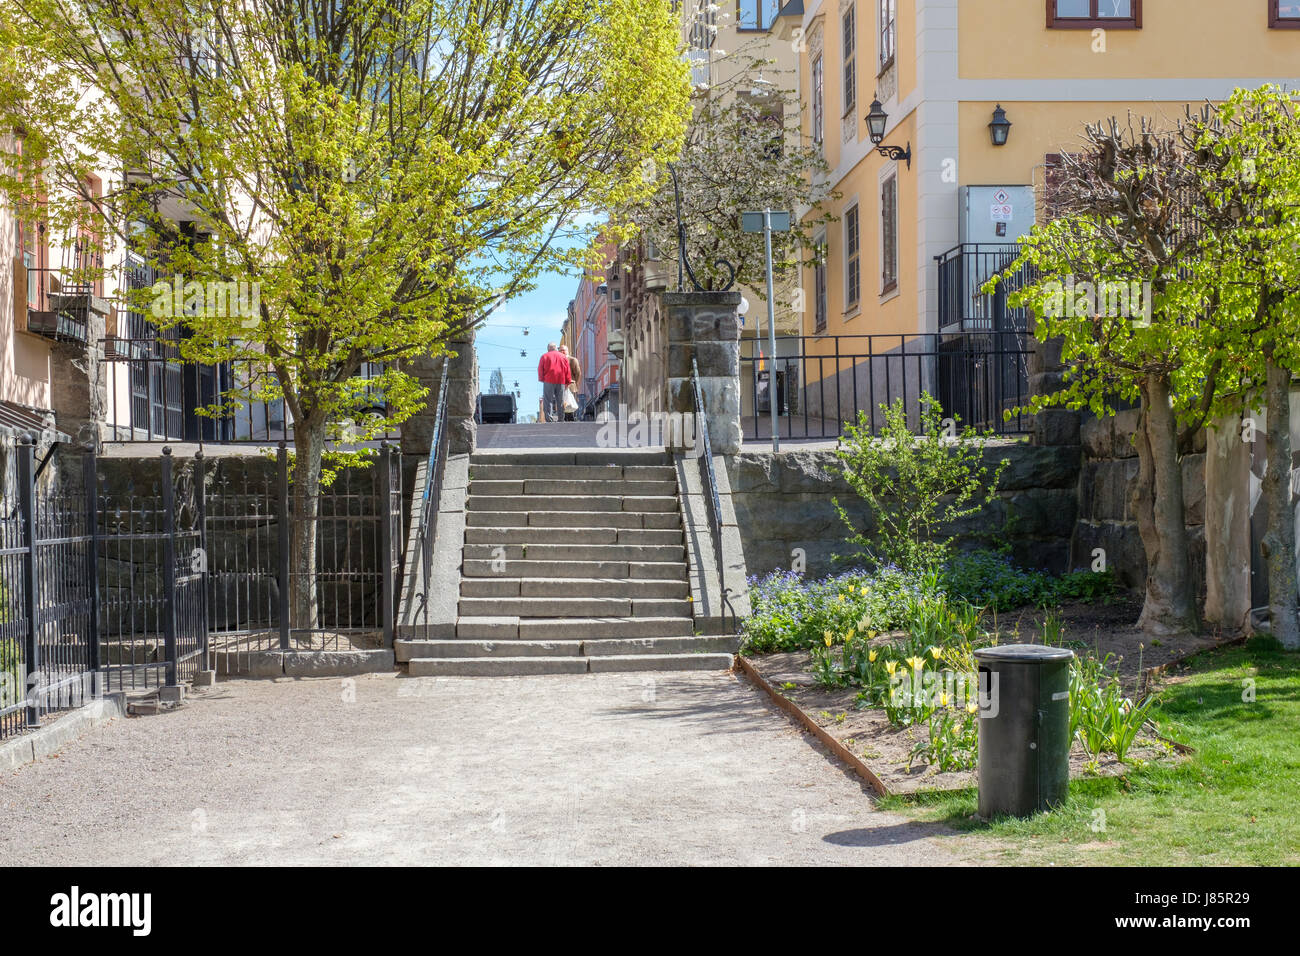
(715, 502)
(428, 527)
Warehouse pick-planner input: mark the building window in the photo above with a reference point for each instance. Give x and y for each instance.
(1090, 14)
(850, 24)
(757, 14)
(1284, 14)
(817, 101)
(819, 287)
(888, 33)
(852, 259)
(889, 235)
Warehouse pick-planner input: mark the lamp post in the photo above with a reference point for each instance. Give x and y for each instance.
(767, 222)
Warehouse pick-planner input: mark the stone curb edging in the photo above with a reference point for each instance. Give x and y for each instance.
(49, 739)
(791, 708)
(272, 664)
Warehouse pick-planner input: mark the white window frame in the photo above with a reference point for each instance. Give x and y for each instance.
(849, 51)
(852, 257)
(887, 175)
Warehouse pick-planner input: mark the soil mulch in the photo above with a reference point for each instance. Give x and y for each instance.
(1093, 629)
(1101, 629)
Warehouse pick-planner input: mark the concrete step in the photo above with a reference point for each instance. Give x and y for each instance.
(541, 455)
(407, 650)
(573, 519)
(562, 486)
(574, 587)
(527, 568)
(575, 552)
(559, 604)
(515, 535)
(570, 503)
(507, 628)
(696, 644)
(525, 666)
(524, 471)
(607, 628)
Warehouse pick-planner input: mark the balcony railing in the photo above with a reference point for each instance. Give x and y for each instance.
(963, 307)
(60, 308)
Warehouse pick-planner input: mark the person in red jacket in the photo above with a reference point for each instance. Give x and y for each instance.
(553, 372)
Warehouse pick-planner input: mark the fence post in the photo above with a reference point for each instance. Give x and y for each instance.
(27, 515)
(201, 507)
(169, 566)
(92, 560)
(387, 560)
(282, 528)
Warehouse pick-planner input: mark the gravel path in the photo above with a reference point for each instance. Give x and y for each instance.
(693, 768)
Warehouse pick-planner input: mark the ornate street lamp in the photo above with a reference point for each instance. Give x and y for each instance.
(1000, 127)
(876, 121)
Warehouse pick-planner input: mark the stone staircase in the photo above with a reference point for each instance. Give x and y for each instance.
(571, 569)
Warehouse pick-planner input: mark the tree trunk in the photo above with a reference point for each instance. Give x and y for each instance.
(1278, 546)
(309, 447)
(1170, 604)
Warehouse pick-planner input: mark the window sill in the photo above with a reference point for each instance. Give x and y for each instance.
(885, 67)
(852, 313)
(1094, 24)
(890, 291)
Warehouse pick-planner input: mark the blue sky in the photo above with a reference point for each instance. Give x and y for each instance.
(499, 342)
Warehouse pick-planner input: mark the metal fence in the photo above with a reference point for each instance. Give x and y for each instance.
(147, 570)
(48, 612)
(823, 381)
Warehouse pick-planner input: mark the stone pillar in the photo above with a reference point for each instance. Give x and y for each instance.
(703, 326)
(78, 392)
(462, 385)
(1052, 426)
(1227, 526)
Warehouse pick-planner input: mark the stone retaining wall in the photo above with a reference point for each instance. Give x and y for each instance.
(785, 501)
(1108, 469)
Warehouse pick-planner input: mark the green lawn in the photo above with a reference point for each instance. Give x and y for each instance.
(1231, 802)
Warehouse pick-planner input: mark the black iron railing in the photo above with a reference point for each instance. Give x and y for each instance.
(823, 381)
(140, 578)
(963, 305)
(712, 497)
(427, 530)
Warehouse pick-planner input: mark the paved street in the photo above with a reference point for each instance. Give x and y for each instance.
(694, 768)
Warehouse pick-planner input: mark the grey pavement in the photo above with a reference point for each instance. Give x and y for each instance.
(693, 768)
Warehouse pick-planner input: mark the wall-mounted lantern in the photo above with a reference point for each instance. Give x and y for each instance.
(876, 122)
(1000, 127)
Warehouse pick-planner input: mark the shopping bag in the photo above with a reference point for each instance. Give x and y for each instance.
(570, 403)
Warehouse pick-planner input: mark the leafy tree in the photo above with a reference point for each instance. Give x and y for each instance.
(1248, 162)
(497, 383)
(384, 172)
(743, 152)
(914, 485)
(1117, 276)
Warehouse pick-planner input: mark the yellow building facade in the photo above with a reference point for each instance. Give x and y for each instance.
(939, 69)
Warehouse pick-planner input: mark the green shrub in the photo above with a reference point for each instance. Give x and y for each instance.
(914, 485)
(790, 612)
(990, 580)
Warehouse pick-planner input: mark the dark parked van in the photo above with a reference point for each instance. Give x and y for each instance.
(495, 409)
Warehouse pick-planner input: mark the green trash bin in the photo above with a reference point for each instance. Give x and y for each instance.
(1024, 729)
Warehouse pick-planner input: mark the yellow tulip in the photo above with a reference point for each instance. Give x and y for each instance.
(943, 699)
(916, 662)
(936, 652)
(890, 666)
(872, 655)
(828, 638)
(972, 707)
(864, 591)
